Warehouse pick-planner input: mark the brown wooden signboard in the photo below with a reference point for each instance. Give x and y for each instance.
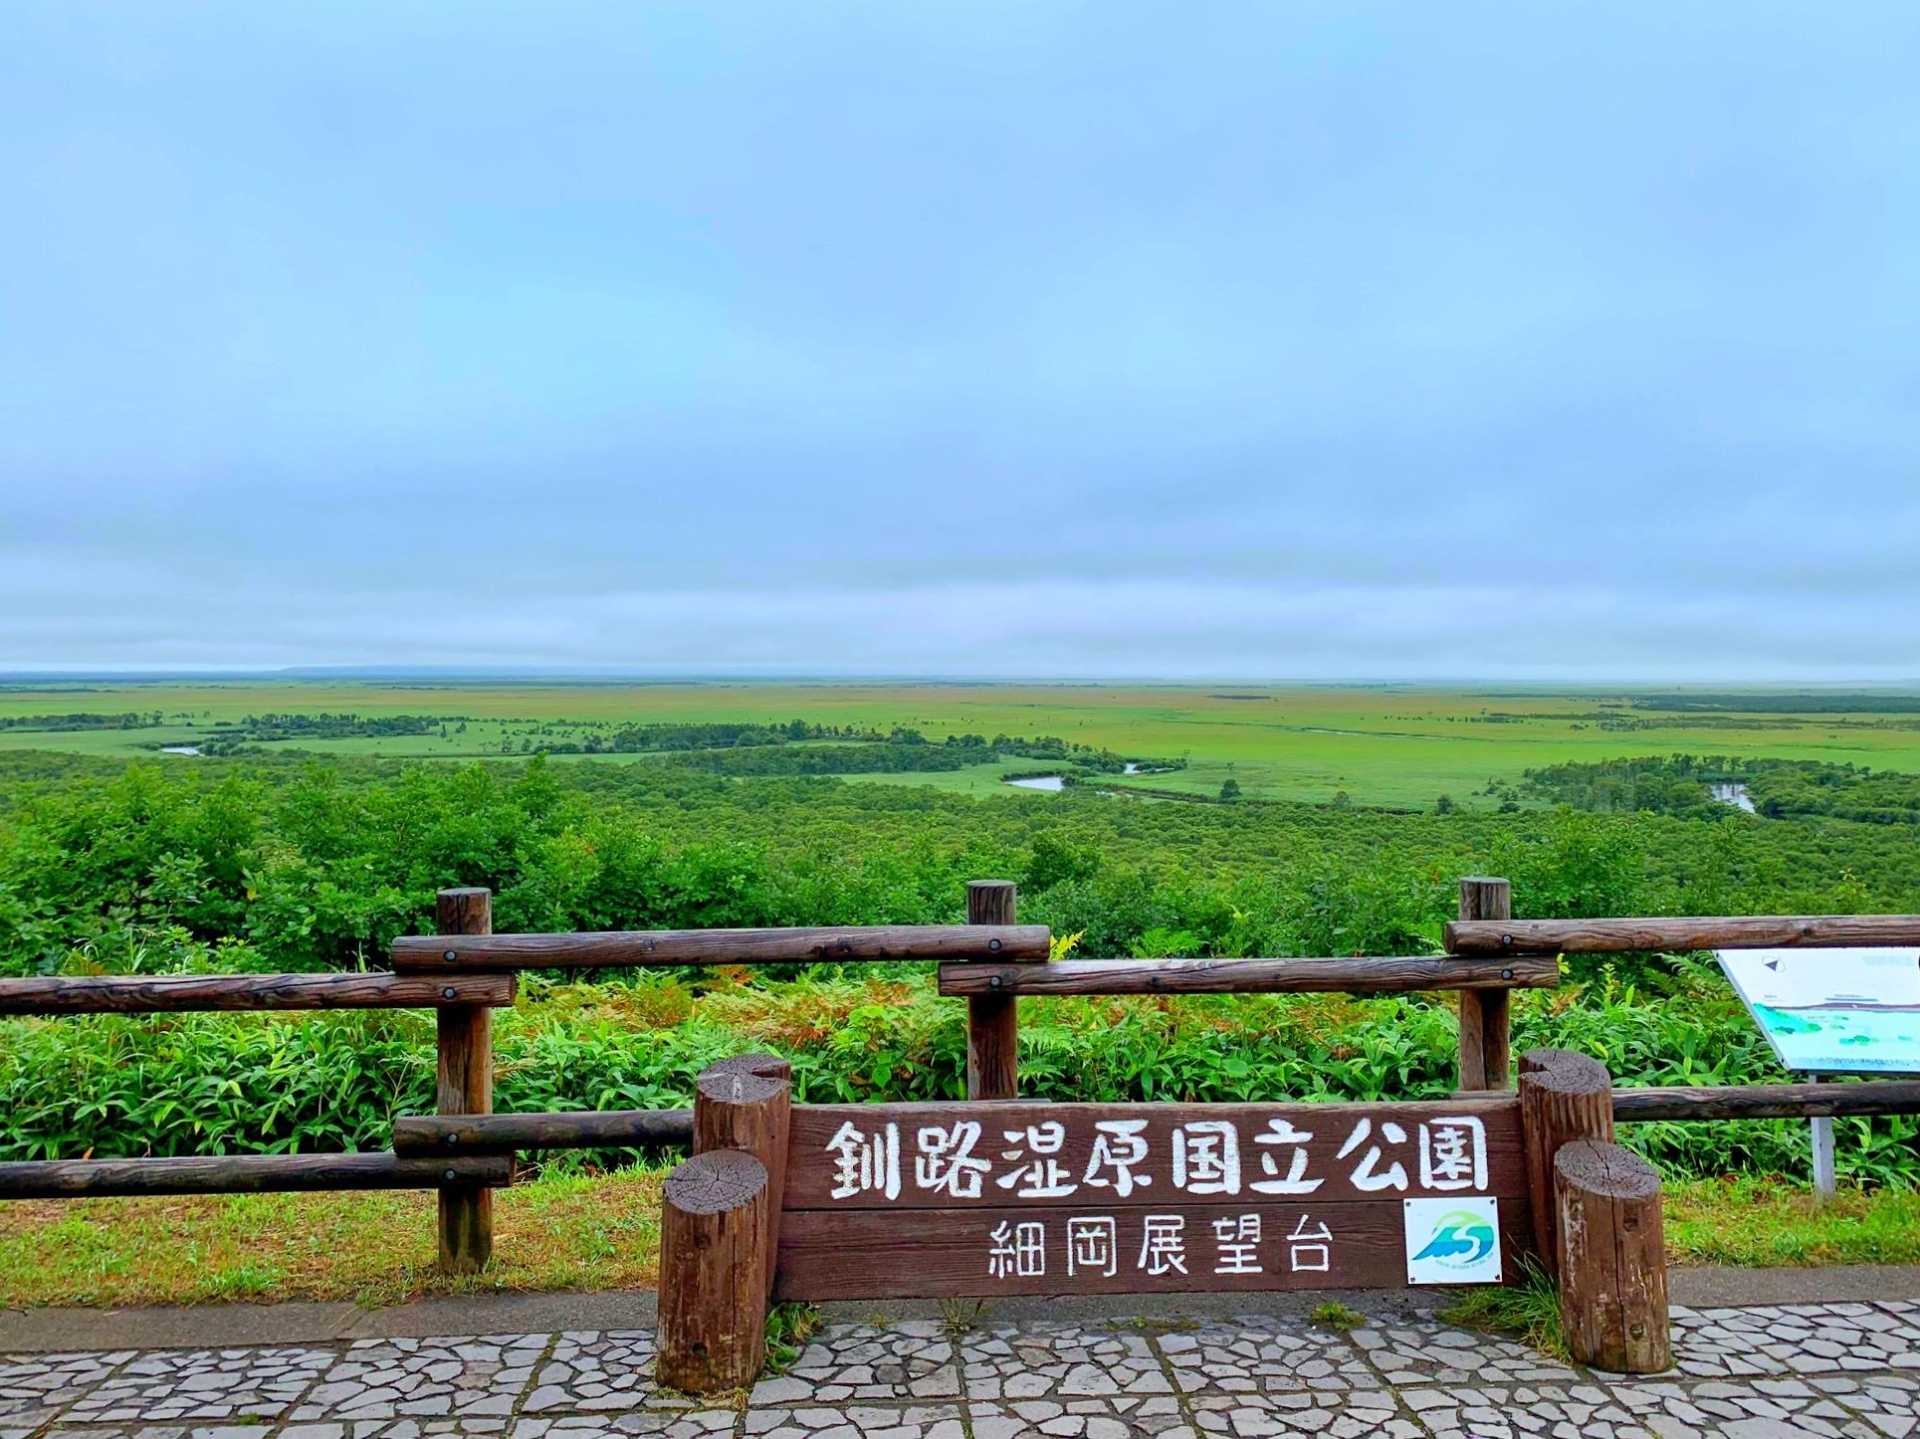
(888, 1201)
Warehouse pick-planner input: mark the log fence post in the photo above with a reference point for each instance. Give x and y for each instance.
(720, 1227)
(713, 1299)
(1485, 1014)
(1563, 1097)
(746, 1104)
(1613, 1259)
(1596, 1216)
(993, 1025)
(465, 1035)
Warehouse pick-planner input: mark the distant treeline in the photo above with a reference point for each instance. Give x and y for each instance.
(1682, 785)
(144, 719)
(1821, 704)
(641, 739)
(797, 747)
(741, 749)
(229, 738)
(881, 758)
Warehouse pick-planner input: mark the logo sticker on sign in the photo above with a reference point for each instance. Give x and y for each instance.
(1453, 1241)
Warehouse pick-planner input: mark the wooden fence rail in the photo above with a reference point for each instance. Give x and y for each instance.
(655, 949)
(187, 993)
(1249, 976)
(416, 1136)
(424, 1136)
(1476, 935)
(1767, 1101)
(240, 1174)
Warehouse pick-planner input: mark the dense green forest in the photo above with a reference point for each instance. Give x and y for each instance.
(298, 864)
(308, 865)
(1682, 785)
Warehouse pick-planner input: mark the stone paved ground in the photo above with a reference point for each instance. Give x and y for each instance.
(1759, 1373)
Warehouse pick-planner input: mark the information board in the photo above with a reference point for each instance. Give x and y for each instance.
(1833, 1011)
(887, 1201)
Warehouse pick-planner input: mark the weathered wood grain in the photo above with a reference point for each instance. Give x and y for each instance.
(465, 1042)
(1485, 1045)
(187, 993)
(1766, 1101)
(627, 949)
(745, 1104)
(1612, 1259)
(240, 1174)
(1249, 976)
(938, 1253)
(713, 1298)
(1563, 1097)
(425, 1135)
(993, 1020)
(1608, 936)
(909, 1130)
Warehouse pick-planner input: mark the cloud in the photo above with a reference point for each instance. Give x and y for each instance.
(1042, 339)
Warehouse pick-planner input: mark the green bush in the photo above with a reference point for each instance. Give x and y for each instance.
(207, 1084)
(289, 865)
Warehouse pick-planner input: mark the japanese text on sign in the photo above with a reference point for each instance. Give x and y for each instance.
(1116, 1160)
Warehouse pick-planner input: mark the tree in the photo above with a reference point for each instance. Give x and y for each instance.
(1443, 805)
(1230, 791)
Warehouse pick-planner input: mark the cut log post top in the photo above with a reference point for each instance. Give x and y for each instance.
(1564, 1072)
(716, 1182)
(760, 1066)
(740, 1104)
(1610, 1170)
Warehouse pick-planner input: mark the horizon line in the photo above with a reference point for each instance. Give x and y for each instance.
(478, 674)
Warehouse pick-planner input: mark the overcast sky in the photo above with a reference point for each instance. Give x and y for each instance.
(1265, 341)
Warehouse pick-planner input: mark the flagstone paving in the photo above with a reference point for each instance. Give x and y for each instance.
(1782, 1372)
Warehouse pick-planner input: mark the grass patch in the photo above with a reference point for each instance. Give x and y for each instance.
(558, 1232)
(789, 1328)
(1335, 1315)
(1528, 1310)
(1754, 1223)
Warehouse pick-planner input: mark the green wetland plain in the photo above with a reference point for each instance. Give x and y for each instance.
(282, 825)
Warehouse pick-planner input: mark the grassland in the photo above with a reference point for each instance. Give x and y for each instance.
(575, 1232)
(1385, 746)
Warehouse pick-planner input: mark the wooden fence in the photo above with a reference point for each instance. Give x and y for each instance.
(465, 971)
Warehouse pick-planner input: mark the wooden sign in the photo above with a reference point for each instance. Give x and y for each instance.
(886, 1201)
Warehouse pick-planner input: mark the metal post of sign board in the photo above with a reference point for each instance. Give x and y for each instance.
(1820, 1127)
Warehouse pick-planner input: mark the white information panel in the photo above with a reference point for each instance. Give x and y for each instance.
(1833, 1011)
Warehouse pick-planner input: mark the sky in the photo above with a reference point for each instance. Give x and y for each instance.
(1267, 341)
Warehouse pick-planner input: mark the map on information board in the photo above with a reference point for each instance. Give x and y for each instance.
(1833, 1011)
